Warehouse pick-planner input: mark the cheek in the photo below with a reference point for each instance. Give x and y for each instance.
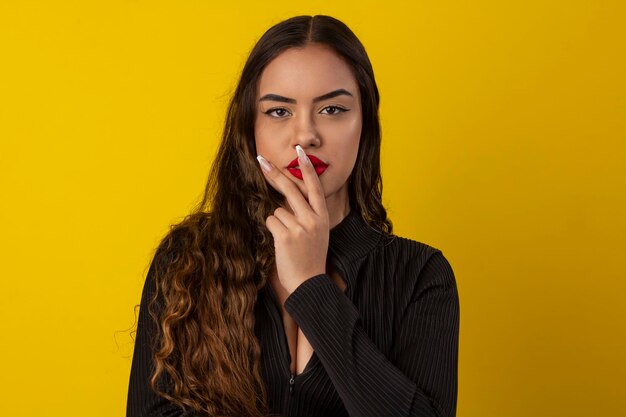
(263, 135)
(355, 128)
(351, 141)
(344, 136)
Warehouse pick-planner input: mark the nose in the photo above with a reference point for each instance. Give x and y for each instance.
(305, 133)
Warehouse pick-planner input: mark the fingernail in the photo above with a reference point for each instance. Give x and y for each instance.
(304, 160)
(264, 164)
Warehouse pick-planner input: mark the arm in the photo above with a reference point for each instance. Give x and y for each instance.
(142, 400)
(420, 376)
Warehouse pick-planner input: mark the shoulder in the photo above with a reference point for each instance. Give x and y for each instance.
(172, 248)
(419, 266)
(189, 233)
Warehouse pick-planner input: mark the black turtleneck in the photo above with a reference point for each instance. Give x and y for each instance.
(388, 346)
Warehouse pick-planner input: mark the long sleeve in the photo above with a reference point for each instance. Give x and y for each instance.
(142, 401)
(420, 376)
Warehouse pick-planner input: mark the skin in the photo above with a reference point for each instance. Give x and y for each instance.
(330, 129)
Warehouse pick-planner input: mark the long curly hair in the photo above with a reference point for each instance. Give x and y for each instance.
(210, 266)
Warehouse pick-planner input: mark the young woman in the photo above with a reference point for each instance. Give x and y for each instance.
(285, 291)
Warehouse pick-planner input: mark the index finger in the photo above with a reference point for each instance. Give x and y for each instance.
(313, 184)
(286, 187)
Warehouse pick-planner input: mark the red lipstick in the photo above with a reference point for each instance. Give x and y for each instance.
(319, 165)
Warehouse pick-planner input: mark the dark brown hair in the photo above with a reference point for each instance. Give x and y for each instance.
(210, 266)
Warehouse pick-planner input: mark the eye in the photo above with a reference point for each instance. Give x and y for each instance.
(333, 110)
(278, 112)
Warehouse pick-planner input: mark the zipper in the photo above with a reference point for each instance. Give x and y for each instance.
(279, 328)
(282, 342)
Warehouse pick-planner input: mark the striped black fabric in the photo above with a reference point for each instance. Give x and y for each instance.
(387, 347)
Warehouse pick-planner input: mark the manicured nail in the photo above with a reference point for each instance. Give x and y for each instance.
(264, 164)
(304, 160)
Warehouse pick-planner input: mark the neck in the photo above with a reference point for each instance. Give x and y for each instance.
(338, 209)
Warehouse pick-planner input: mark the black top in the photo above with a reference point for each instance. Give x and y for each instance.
(387, 347)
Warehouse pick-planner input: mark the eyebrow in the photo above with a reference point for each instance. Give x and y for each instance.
(332, 94)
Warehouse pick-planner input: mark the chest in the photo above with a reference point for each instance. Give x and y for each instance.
(295, 378)
(300, 350)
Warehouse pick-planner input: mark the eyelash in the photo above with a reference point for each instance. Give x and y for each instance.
(341, 110)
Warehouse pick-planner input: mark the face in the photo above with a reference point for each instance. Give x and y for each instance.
(309, 96)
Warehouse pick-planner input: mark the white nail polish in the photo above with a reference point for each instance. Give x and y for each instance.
(264, 164)
(304, 160)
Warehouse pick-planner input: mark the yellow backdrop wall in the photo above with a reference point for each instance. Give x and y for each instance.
(504, 145)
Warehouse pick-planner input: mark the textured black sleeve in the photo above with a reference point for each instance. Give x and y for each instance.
(142, 401)
(422, 379)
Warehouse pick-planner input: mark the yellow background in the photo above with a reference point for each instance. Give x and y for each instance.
(504, 145)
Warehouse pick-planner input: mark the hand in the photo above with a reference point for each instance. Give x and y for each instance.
(301, 238)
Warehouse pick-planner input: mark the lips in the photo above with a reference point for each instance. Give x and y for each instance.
(319, 165)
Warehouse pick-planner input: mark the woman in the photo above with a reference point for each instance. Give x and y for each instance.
(285, 291)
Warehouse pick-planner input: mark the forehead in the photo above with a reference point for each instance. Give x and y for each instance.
(306, 72)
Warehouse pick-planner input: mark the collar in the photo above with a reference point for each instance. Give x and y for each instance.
(350, 240)
(352, 237)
